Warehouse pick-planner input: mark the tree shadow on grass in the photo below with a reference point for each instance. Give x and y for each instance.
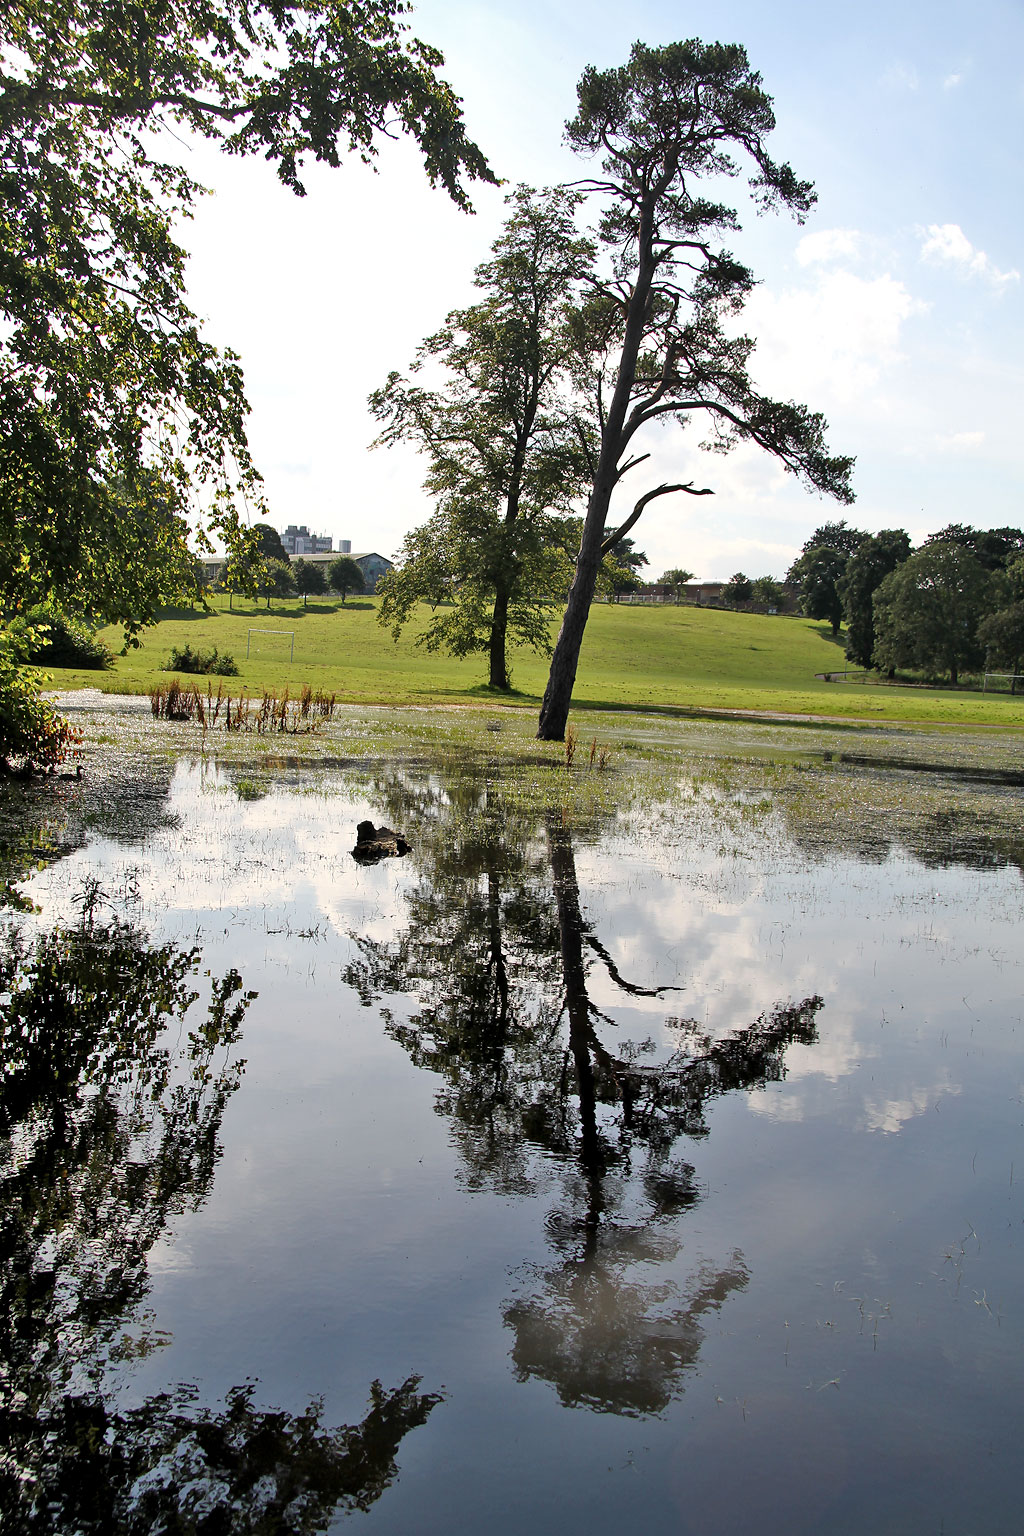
(500, 695)
(824, 632)
(244, 608)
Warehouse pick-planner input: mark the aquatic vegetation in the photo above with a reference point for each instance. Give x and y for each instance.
(271, 714)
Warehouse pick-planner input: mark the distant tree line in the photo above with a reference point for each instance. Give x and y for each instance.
(955, 603)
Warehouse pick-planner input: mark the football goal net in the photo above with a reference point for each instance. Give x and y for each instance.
(1003, 682)
(260, 646)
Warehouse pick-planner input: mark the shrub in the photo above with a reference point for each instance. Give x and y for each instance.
(59, 640)
(186, 659)
(32, 733)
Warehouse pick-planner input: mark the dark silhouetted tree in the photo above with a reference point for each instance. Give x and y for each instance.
(928, 610)
(666, 125)
(866, 569)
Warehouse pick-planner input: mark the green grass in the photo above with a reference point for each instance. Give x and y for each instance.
(678, 660)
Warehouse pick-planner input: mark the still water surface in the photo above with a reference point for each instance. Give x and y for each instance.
(663, 1166)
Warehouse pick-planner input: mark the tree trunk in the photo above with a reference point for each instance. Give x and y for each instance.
(496, 961)
(577, 1001)
(499, 677)
(554, 711)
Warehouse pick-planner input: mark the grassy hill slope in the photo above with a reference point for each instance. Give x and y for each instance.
(663, 657)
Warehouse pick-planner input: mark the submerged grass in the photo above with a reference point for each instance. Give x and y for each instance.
(831, 786)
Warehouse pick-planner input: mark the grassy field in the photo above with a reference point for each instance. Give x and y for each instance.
(664, 658)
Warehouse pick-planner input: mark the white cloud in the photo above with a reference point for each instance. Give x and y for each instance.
(828, 245)
(834, 339)
(959, 442)
(947, 245)
(951, 82)
(901, 77)
(890, 1115)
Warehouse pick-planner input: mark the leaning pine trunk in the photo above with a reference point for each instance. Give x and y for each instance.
(554, 711)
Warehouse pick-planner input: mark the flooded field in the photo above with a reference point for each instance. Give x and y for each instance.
(642, 1150)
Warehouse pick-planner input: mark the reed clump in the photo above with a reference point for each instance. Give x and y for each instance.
(599, 756)
(292, 715)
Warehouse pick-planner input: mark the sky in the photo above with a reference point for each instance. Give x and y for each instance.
(895, 309)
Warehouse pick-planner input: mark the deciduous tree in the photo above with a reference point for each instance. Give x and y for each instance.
(663, 123)
(1001, 636)
(991, 547)
(817, 576)
(738, 590)
(113, 409)
(345, 576)
(767, 592)
(927, 611)
(676, 578)
(504, 443)
(310, 579)
(276, 579)
(624, 562)
(866, 569)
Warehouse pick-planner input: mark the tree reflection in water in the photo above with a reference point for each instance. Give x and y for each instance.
(108, 1132)
(497, 952)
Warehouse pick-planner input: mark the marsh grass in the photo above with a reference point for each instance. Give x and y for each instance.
(271, 714)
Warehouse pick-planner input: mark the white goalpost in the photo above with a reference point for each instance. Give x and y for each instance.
(282, 633)
(1012, 678)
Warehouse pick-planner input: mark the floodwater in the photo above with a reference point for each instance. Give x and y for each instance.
(649, 1161)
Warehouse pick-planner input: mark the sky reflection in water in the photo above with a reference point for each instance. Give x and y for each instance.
(671, 1167)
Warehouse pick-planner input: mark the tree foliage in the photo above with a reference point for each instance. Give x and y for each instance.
(866, 569)
(838, 535)
(766, 592)
(739, 589)
(817, 576)
(269, 542)
(122, 430)
(310, 579)
(117, 419)
(503, 441)
(1001, 636)
(276, 578)
(991, 547)
(344, 576)
(623, 562)
(32, 733)
(669, 120)
(928, 610)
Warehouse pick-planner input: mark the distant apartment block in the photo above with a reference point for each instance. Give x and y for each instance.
(299, 541)
(372, 564)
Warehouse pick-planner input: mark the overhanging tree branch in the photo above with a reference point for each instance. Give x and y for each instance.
(660, 490)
